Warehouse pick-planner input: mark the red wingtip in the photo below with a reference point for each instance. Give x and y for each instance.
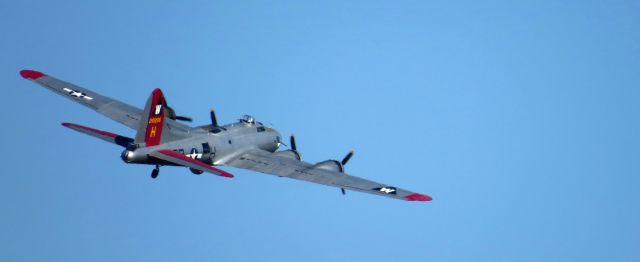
(418, 197)
(31, 74)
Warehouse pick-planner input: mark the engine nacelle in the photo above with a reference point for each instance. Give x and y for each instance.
(195, 171)
(331, 165)
(207, 158)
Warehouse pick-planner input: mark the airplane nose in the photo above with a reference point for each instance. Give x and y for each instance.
(277, 137)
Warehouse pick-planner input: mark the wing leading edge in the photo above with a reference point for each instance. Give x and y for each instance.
(270, 163)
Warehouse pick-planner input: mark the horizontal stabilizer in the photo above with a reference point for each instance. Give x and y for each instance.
(104, 135)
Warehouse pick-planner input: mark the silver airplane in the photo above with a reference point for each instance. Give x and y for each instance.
(161, 140)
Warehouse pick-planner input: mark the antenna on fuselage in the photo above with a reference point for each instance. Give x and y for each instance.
(214, 119)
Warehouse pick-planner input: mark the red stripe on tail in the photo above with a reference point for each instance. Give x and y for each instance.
(156, 118)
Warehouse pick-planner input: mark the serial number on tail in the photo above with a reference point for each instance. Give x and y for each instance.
(155, 120)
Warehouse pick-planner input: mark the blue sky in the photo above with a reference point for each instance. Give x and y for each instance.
(520, 119)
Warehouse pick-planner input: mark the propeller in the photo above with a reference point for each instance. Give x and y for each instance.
(172, 115)
(344, 162)
(292, 140)
(214, 119)
(294, 148)
(347, 157)
(184, 118)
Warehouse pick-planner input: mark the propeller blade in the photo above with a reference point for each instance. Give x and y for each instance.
(184, 118)
(347, 157)
(292, 140)
(214, 119)
(344, 162)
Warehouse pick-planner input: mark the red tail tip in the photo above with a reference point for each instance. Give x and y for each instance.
(157, 90)
(31, 74)
(418, 197)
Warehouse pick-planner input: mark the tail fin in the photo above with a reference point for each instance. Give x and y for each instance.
(153, 120)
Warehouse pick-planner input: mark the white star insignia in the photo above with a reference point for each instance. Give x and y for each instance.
(77, 94)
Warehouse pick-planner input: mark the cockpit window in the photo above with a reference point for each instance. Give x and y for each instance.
(261, 129)
(248, 119)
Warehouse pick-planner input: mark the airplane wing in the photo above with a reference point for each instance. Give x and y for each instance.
(118, 111)
(182, 160)
(274, 164)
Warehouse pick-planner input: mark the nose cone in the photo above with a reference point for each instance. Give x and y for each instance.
(277, 138)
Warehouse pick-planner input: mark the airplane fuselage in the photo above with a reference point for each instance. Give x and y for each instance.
(211, 144)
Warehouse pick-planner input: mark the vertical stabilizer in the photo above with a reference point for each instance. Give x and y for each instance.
(153, 120)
